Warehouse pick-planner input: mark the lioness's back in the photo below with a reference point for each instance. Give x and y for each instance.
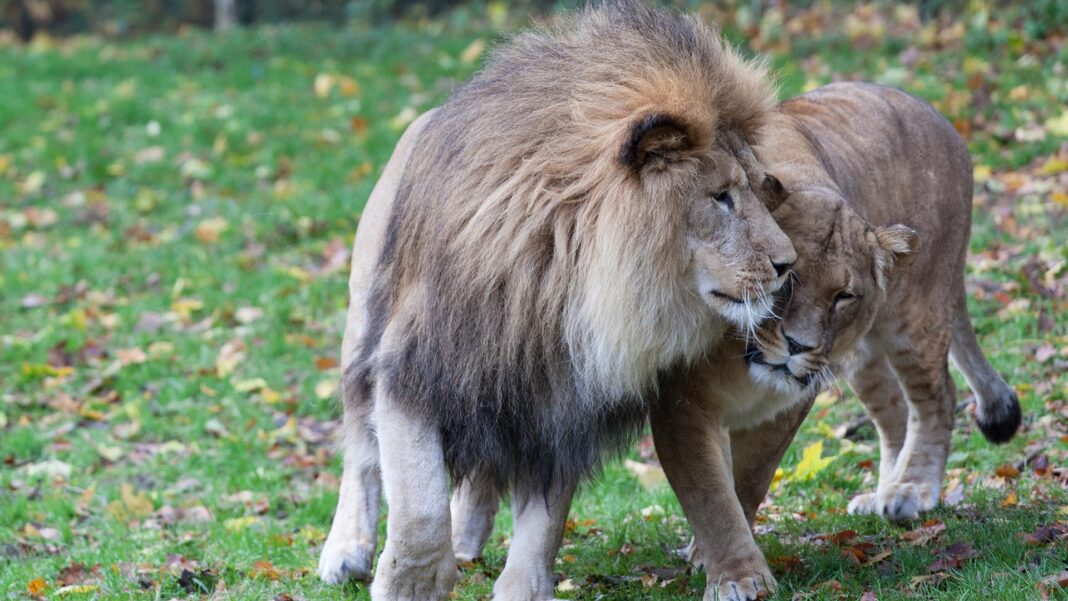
(897, 160)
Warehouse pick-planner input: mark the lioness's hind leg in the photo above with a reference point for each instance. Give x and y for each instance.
(350, 548)
(538, 519)
(917, 478)
(417, 563)
(880, 393)
(473, 507)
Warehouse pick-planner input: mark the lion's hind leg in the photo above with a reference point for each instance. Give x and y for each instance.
(538, 519)
(474, 505)
(417, 563)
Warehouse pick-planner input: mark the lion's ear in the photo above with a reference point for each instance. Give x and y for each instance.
(897, 246)
(773, 191)
(654, 138)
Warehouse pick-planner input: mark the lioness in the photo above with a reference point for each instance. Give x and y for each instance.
(570, 224)
(848, 155)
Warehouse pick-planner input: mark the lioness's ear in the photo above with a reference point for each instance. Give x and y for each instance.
(898, 244)
(655, 137)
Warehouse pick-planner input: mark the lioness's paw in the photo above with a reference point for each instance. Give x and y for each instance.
(343, 560)
(428, 578)
(862, 504)
(905, 501)
(748, 588)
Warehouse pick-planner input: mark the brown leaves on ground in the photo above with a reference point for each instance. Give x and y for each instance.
(952, 557)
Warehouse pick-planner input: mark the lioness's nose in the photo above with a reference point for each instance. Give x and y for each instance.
(796, 347)
(781, 268)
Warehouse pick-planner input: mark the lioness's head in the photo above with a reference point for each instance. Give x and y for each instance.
(843, 272)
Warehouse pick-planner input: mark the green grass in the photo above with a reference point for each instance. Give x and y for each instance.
(168, 200)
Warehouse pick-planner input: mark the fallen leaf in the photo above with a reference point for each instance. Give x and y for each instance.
(1046, 534)
(473, 51)
(952, 556)
(1053, 583)
(265, 571)
(812, 462)
(209, 230)
(76, 589)
(325, 363)
(325, 389)
(37, 586)
(241, 523)
(924, 534)
(648, 475)
(1058, 125)
(136, 505)
(51, 468)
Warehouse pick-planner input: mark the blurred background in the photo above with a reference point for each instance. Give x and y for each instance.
(180, 182)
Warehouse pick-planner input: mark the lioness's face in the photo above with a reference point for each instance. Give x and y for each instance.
(740, 255)
(842, 276)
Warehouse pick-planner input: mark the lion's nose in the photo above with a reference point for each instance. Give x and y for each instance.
(781, 268)
(795, 347)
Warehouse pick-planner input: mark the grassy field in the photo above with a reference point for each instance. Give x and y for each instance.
(175, 217)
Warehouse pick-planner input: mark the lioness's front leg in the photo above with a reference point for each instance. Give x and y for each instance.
(757, 452)
(695, 452)
(538, 519)
(417, 563)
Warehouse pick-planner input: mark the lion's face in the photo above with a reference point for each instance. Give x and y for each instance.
(740, 255)
(842, 275)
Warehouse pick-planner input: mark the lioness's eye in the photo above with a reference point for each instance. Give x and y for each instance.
(725, 198)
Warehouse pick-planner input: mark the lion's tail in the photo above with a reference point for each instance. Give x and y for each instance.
(997, 407)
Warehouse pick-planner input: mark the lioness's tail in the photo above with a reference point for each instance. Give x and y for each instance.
(997, 407)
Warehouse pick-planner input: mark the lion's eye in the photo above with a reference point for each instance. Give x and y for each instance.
(724, 198)
(842, 297)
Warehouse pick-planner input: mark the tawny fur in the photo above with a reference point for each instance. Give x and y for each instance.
(865, 305)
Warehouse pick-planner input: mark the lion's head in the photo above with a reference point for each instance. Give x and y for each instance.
(576, 220)
(843, 273)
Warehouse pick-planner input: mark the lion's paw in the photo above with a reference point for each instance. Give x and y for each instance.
(862, 504)
(747, 588)
(343, 560)
(515, 585)
(905, 501)
(430, 578)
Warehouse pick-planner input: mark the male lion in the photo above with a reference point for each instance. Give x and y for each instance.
(847, 155)
(570, 224)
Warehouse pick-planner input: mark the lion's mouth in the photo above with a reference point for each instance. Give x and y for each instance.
(726, 297)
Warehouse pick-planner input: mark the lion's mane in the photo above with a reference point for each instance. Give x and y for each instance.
(530, 289)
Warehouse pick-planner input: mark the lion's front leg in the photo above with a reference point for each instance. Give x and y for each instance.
(538, 519)
(417, 563)
(350, 547)
(695, 452)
